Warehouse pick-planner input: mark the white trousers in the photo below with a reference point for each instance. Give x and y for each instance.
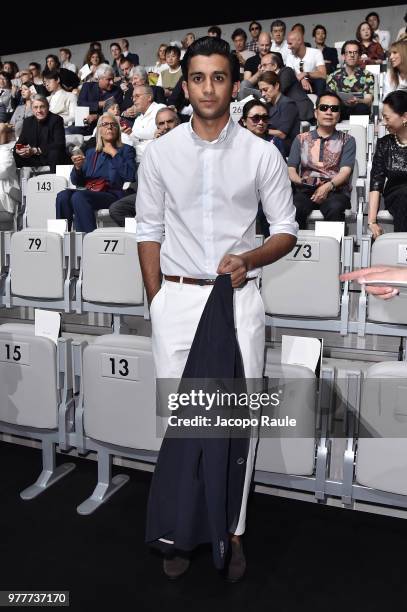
(175, 313)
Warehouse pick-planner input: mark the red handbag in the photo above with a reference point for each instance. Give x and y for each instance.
(97, 184)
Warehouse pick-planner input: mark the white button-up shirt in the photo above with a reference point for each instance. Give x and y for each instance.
(205, 196)
(144, 129)
(283, 49)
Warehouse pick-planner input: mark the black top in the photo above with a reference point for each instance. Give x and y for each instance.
(283, 116)
(48, 135)
(330, 54)
(252, 64)
(292, 88)
(389, 162)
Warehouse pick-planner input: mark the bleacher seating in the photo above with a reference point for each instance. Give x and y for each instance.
(40, 195)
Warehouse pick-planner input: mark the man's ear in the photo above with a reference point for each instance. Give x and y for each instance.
(185, 89)
(236, 89)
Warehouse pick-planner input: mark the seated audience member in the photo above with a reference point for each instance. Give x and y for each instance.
(23, 110)
(320, 165)
(116, 53)
(330, 54)
(93, 60)
(138, 76)
(389, 168)
(65, 59)
(94, 95)
(11, 68)
(69, 80)
(42, 138)
(239, 38)
(24, 76)
(95, 46)
(165, 120)
(308, 64)
(396, 76)
(254, 29)
(159, 66)
(215, 31)
(103, 170)
(144, 125)
(187, 42)
(402, 33)
(284, 122)
(372, 51)
(387, 274)
(36, 77)
(5, 96)
(381, 36)
(169, 78)
(132, 57)
(255, 119)
(351, 78)
(252, 68)
(291, 87)
(61, 102)
(279, 43)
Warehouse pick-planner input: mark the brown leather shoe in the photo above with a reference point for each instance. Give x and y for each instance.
(237, 564)
(174, 568)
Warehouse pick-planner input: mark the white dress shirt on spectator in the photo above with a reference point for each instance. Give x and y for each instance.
(311, 59)
(283, 49)
(63, 103)
(144, 129)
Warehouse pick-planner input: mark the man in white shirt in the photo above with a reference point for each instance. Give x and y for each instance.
(61, 102)
(279, 43)
(65, 57)
(144, 127)
(199, 186)
(308, 63)
(381, 36)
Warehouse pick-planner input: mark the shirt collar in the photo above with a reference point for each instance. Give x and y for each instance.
(227, 130)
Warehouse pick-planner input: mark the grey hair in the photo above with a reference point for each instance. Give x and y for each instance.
(39, 98)
(139, 71)
(102, 70)
(163, 110)
(99, 140)
(148, 90)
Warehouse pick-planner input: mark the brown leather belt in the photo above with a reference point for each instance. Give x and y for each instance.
(197, 281)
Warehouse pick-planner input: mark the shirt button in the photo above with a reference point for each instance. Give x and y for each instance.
(240, 461)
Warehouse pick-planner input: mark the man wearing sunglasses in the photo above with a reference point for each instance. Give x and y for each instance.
(320, 165)
(254, 29)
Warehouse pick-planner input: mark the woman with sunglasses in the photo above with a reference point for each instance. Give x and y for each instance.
(102, 170)
(389, 168)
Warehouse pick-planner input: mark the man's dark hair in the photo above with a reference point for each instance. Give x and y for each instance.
(277, 23)
(173, 49)
(329, 93)
(54, 57)
(252, 23)
(397, 100)
(373, 14)
(277, 59)
(125, 58)
(51, 74)
(215, 30)
(350, 42)
(238, 32)
(36, 65)
(66, 51)
(299, 26)
(318, 27)
(207, 45)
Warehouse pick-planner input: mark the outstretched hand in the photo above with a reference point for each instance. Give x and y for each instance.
(388, 273)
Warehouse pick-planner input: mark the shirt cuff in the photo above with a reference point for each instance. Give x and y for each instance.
(149, 233)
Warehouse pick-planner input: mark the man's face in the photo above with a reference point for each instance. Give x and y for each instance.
(240, 43)
(278, 34)
(123, 44)
(25, 76)
(39, 109)
(294, 41)
(141, 99)
(51, 63)
(166, 121)
(34, 71)
(209, 86)
(373, 22)
(172, 59)
(351, 56)
(264, 43)
(267, 62)
(325, 116)
(51, 85)
(126, 67)
(255, 31)
(320, 36)
(189, 39)
(106, 81)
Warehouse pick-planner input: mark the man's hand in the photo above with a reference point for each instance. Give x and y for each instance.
(235, 266)
(130, 112)
(24, 151)
(321, 193)
(91, 118)
(352, 101)
(306, 85)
